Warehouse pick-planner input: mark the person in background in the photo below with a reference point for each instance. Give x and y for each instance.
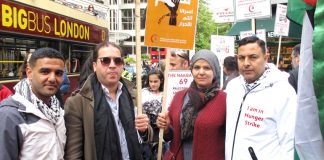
(86, 70)
(195, 123)
(261, 107)
(293, 74)
(100, 118)
(4, 92)
(230, 69)
(268, 55)
(179, 59)
(162, 65)
(152, 105)
(32, 123)
(23, 66)
(91, 10)
(65, 86)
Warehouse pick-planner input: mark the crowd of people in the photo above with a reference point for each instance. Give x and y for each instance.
(99, 120)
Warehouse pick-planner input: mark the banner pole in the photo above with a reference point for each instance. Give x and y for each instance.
(164, 99)
(253, 26)
(278, 55)
(138, 57)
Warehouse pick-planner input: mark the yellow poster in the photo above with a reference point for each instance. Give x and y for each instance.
(171, 23)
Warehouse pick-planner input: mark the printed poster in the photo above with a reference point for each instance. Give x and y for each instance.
(248, 9)
(177, 81)
(171, 23)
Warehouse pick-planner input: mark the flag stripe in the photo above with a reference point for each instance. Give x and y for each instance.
(308, 137)
(318, 53)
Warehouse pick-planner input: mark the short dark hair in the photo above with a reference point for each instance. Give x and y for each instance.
(296, 50)
(45, 52)
(160, 75)
(230, 63)
(252, 39)
(105, 44)
(181, 53)
(86, 70)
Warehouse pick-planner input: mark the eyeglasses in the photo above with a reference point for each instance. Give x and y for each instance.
(105, 61)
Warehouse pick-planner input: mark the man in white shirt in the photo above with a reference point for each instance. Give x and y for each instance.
(261, 108)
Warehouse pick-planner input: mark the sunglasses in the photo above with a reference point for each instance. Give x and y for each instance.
(105, 61)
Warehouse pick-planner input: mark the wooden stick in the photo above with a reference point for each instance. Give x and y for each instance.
(164, 107)
(138, 57)
(279, 48)
(253, 26)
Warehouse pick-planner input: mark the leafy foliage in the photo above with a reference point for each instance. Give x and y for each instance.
(206, 26)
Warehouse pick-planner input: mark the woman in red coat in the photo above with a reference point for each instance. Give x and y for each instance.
(195, 123)
(4, 92)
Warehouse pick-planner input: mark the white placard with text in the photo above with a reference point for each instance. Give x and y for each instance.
(260, 33)
(248, 9)
(177, 81)
(282, 22)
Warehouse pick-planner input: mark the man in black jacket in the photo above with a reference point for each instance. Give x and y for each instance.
(293, 75)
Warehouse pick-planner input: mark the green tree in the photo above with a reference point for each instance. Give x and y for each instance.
(206, 26)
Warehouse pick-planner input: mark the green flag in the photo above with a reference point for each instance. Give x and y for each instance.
(318, 55)
(295, 10)
(310, 115)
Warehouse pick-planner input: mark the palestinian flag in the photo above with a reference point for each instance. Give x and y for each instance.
(310, 117)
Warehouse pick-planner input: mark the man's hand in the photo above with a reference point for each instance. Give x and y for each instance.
(142, 122)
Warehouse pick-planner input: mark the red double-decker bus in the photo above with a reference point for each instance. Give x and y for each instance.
(26, 25)
(157, 54)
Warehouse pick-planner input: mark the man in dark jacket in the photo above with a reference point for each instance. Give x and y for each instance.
(100, 119)
(293, 75)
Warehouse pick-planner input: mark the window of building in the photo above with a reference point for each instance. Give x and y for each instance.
(128, 19)
(143, 18)
(143, 1)
(112, 2)
(13, 51)
(128, 1)
(113, 19)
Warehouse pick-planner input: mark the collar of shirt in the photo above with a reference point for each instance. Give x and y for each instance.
(113, 103)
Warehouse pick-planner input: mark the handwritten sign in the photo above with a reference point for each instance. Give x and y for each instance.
(282, 22)
(177, 81)
(222, 46)
(260, 33)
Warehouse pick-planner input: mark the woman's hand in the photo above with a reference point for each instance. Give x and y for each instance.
(163, 121)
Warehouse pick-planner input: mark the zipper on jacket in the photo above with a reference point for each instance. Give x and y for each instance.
(238, 117)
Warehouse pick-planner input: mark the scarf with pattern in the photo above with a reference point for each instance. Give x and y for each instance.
(250, 86)
(52, 112)
(198, 98)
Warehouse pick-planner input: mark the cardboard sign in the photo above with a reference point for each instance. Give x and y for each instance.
(223, 11)
(222, 46)
(171, 24)
(177, 81)
(248, 9)
(260, 33)
(282, 22)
